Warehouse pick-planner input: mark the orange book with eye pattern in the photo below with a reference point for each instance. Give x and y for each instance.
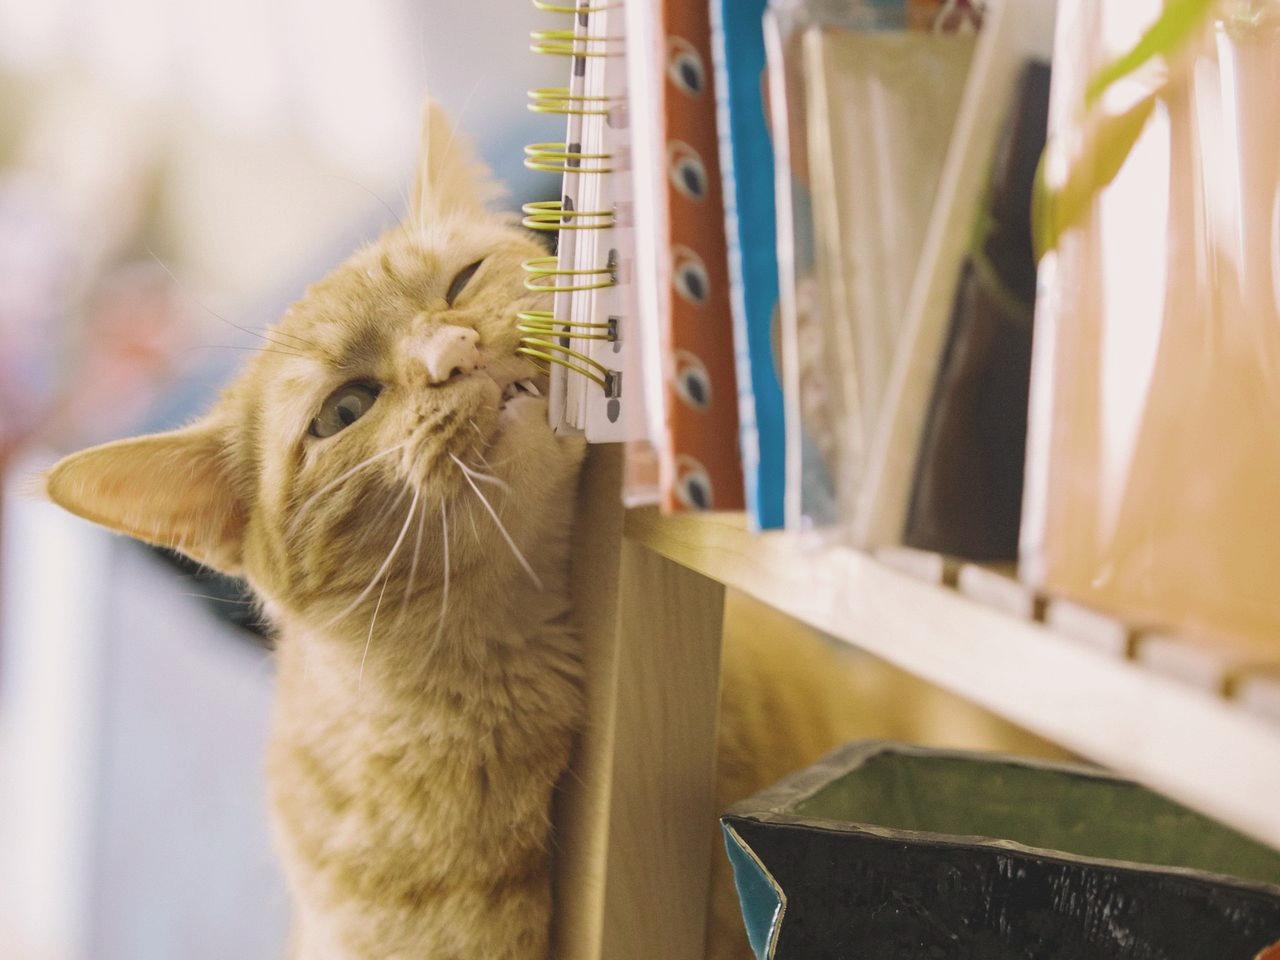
(700, 464)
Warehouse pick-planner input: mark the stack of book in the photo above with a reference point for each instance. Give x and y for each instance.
(795, 270)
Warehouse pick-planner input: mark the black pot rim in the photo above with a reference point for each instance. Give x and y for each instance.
(774, 805)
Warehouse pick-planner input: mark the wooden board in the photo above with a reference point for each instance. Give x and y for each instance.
(634, 815)
(582, 808)
(1202, 749)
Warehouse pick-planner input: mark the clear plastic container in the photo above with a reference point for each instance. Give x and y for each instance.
(1153, 472)
(864, 95)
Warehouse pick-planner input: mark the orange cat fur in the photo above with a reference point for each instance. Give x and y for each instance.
(429, 679)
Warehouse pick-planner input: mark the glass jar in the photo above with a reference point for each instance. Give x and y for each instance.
(1153, 472)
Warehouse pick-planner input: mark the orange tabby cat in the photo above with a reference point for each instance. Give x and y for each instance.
(383, 475)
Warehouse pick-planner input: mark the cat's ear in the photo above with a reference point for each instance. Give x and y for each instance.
(170, 489)
(451, 180)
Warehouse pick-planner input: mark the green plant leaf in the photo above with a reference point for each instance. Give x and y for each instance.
(1181, 18)
(1105, 149)
(1107, 144)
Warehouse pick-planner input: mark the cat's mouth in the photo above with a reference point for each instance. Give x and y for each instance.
(520, 398)
(521, 388)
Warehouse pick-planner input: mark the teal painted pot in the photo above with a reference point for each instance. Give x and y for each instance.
(884, 851)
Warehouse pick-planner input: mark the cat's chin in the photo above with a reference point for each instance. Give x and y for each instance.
(521, 413)
(521, 424)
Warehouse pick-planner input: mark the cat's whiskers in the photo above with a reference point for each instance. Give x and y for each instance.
(209, 596)
(386, 565)
(475, 531)
(386, 506)
(368, 640)
(376, 196)
(385, 580)
(475, 474)
(444, 588)
(466, 475)
(496, 464)
(217, 316)
(485, 440)
(228, 346)
(346, 475)
(413, 567)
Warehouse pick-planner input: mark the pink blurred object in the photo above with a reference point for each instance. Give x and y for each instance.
(88, 337)
(129, 346)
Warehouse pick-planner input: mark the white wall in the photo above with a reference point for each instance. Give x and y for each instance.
(346, 77)
(132, 730)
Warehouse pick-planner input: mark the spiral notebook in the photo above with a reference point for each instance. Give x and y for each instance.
(587, 341)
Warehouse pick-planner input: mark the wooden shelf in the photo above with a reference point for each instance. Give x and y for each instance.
(1080, 687)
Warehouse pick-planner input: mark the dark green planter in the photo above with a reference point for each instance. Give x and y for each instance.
(890, 852)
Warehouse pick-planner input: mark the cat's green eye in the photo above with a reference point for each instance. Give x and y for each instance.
(343, 407)
(463, 277)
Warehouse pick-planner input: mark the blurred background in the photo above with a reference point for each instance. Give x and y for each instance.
(172, 171)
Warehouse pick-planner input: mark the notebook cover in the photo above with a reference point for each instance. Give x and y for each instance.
(701, 463)
(609, 419)
(564, 415)
(746, 159)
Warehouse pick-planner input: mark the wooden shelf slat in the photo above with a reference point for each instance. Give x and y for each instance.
(1199, 661)
(1260, 691)
(1104, 633)
(1202, 749)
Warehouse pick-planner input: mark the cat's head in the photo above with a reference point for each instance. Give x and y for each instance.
(361, 443)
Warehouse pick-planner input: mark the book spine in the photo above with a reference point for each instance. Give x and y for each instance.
(701, 465)
(746, 167)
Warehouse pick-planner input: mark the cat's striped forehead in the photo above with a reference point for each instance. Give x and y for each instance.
(350, 318)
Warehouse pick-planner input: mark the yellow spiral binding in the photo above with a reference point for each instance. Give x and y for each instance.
(567, 43)
(548, 215)
(558, 158)
(542, 323)
(547, 268)
(543, 351)
(575, 8)
(543, 343)
(545, 339)
(560, 100)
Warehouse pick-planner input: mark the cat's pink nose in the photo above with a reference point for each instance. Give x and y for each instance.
(449, 351)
